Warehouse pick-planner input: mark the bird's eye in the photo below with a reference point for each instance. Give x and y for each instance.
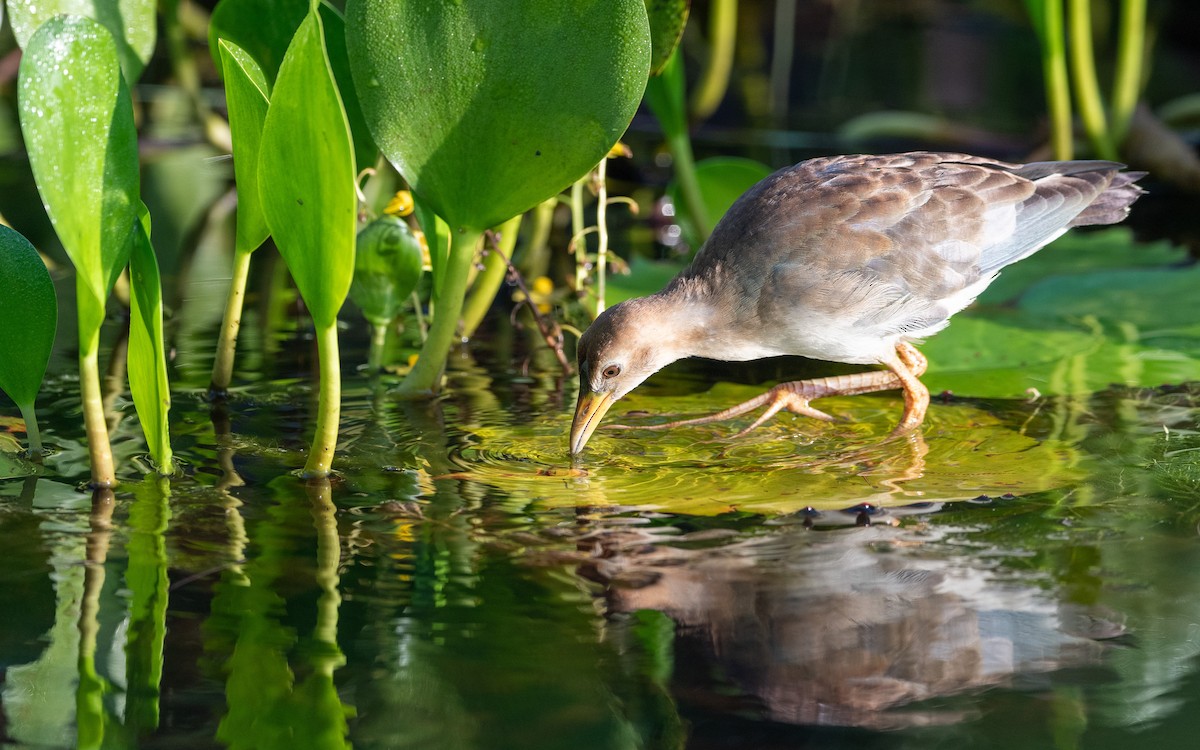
(612, 371)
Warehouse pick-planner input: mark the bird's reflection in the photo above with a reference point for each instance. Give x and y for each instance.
(873, 627)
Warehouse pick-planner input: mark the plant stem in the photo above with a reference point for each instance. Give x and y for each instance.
(602, 231)
(487, 284)
(379, 333)
(1131, 51)
(680, 145)
(1058, 87)
(425, 377)
(222, 373)
(577, 233)
(329, 404)
(1087, 88)
(31, 430)
(99, 449)
(535, 257)
(714, 79)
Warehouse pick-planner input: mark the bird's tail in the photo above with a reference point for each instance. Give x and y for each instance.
(1113, 204)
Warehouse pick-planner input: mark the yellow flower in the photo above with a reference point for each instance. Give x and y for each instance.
(401, 204)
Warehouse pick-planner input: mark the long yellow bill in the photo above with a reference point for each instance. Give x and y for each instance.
(588, 412)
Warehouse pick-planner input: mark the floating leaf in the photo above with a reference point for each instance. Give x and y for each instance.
(131, 23)
(1077, 321)
(246, 96)
(306, 175)
(78, 124)
(489, 107)
(387, 267)
(148, 383)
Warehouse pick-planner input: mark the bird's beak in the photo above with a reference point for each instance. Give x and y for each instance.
(588, 412)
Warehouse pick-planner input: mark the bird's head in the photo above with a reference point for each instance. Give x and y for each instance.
(626, 344)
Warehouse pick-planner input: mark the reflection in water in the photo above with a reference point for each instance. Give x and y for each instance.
(279, 686)
(839, 627)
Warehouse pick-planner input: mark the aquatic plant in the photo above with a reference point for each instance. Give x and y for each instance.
(481, 128)
(312, 210)
(1064, 29)
(77, 120)
(28, 320)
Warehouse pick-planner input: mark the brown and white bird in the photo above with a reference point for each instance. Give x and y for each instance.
(846, 259)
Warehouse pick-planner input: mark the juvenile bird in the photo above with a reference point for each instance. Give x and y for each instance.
(846, 259)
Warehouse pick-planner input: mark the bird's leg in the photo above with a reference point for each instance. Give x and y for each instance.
(908, 366)
(796, 395)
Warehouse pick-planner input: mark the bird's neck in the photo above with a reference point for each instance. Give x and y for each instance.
(692, 322)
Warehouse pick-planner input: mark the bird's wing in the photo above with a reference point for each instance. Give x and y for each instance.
(898, 243)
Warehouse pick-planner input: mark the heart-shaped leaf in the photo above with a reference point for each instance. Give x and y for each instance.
(387, 267)
(131, 22)
(489, 107)
(148, 383)
(28, 318)
(77, 120)
(306, 175)
(246, 97)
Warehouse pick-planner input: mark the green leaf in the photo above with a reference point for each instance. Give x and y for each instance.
(263, 28)
(28, 318)
(667, 19)
(148, 381)
(489, 107)
(247, 99)
(666, 99)
(1077, 317)
(722, 181)
(77, 120)
(306, 175)
(365, 150)
(387, 267)
(131, 22)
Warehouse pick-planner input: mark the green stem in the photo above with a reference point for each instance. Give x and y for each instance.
(1087, 88)
(602, 232)
(714, 79)
(1058, 87)
(1131, 52)
(91, 314)
(487, 284)
(379, 333)
(31, 430)
(689, 184)
(425, 377)
(421, 327)
(535, 258)
(577, 227)
(222, 373)
(329, 404)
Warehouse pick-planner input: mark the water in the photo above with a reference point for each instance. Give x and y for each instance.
(1023, 575)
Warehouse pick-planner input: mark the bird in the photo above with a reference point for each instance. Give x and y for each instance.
(851, 258)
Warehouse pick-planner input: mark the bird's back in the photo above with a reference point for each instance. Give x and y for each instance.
(888, 247)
